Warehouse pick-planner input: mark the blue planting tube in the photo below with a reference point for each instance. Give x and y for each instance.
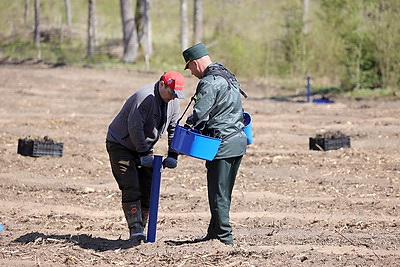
(154, 198)
(308, 88)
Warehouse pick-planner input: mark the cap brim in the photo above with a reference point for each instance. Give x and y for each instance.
(179, 94)
(186, 67)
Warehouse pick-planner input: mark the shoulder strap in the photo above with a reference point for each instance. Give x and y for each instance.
(218, 69)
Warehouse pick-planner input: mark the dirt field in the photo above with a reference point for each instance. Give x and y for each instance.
(291, 206)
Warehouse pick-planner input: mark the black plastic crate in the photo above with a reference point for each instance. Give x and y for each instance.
(39, 148)
(326, 143)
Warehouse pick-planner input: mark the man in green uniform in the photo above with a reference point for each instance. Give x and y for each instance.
(218, 112)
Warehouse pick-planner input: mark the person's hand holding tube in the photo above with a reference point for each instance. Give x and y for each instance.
(146, 161)
(171, 161)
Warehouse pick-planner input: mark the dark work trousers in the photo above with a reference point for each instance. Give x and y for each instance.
(133, 180)
(221, 176)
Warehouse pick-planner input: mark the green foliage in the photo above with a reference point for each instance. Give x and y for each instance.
(50, 51)
(384, 34)
(341, 19)
(292, 42)
(360, 35)
(18, 49)
(231, 48)
(351, 44)
(332, 90)
(372, 94)
(165, 61)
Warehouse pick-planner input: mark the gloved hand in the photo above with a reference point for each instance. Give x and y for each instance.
(189, 120)
(146, 161)
(170, 162)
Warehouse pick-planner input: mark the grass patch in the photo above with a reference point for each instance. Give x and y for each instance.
(373, 94)
(332, 90)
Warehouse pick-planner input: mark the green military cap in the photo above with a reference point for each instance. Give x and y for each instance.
(195, 52)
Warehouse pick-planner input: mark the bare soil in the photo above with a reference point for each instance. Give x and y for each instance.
(292, 206)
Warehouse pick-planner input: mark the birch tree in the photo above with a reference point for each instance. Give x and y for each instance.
(37, 23)
(130, 37)
(184, 25)
(306, 8)
(26, 13)
(91, 28)
(198, 21)
(68, 11)
(143, 26)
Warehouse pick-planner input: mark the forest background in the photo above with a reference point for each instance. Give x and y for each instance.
(346, 46)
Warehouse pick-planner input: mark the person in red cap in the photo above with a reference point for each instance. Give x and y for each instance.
(144, 118)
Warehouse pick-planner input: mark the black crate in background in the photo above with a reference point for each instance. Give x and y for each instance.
(37, 148)
(329, 143)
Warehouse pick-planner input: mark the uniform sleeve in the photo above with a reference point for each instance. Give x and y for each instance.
(205, 98)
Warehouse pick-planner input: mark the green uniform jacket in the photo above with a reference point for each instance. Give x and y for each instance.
(225, 121)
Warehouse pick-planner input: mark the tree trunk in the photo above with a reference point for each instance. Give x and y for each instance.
(184, 25)
(68, 11)
(198, 21)
(130, 38)
(37, 23)
(306, 8)
(143, 25)
(91, 28)
(26, 13)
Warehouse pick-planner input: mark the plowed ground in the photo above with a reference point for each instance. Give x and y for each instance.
(292, 206)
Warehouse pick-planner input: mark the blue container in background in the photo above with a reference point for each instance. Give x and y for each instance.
(248, 128)
(323, 101)
(193, 144)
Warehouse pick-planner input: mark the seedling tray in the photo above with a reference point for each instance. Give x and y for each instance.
(326, 143)
(39, 148)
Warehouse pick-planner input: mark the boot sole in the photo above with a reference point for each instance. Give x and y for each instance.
(138, 237)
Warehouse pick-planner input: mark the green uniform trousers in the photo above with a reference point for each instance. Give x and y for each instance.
(221, 176)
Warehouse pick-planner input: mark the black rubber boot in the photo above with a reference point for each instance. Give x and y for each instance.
(203, 239)
(133, 216)
(145, 216)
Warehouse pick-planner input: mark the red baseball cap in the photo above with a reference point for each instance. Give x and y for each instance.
(175, 81)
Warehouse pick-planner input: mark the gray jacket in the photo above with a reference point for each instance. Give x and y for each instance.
(225, 121)
(143, 119)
